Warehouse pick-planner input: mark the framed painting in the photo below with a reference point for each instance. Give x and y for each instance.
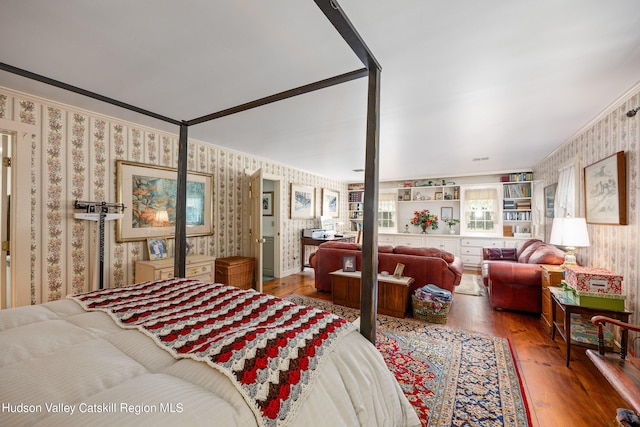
(157, 249)
(605, 191)
(149, 195)
(446, 212)
(549, 199)
(267, 203)
(330, 203)
(303, 202)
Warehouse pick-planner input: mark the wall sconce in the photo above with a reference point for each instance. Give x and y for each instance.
(570, 233)
(633, 112)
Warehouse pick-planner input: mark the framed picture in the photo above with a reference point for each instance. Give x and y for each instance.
(157, 249)
(302, 202)
(149, 195)
(267, 203)
(446, 212)
(349, 263)
(438, 195)
(549, 199)
(330, 203)
(605, 191)
(397, 273)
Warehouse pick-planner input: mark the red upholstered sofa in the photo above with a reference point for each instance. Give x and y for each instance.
(425, 265)
(513, 275)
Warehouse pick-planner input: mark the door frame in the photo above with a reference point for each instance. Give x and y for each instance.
(20, 214)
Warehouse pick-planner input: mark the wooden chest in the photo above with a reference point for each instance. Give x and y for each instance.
(235, 271)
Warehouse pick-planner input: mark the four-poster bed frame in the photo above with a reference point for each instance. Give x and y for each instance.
(371, 69)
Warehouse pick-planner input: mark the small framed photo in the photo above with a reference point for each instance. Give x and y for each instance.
(397, 273)
(446, 212)
(349, 263)
(438, 195)
(267, 203)
(157, 248)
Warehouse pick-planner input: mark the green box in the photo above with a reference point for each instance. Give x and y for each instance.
(595, 300)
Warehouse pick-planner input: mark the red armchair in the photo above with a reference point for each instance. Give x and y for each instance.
(513, 275)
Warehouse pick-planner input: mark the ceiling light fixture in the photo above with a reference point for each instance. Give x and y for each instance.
(358, 170)
(479, 159)
(633, 112)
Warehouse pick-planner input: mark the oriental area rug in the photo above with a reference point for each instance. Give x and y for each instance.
(452, 377)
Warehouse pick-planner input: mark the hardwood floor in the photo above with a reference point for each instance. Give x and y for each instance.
(577, 396)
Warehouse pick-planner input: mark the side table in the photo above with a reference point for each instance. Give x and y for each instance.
(552, 275)
(393, 294)
(568, 307)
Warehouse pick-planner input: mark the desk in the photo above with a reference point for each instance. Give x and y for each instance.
(393, 294)
(308, 241)
(560, 301)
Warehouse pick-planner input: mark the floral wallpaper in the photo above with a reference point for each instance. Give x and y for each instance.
(614, 247)
(74, 158)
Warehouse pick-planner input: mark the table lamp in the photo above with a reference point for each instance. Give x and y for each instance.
(571, 233)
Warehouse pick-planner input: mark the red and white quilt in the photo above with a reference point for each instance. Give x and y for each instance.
(268, 347)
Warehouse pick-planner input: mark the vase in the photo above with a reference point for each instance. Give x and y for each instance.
(452, 231)
(424, 228)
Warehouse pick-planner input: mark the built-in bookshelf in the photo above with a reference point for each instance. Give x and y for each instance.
(516, 204)
(355, 194)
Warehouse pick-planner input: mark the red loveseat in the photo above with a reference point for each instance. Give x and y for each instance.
(425, 265)
(513, 275)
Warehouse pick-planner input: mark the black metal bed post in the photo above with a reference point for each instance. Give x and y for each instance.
(369, 281)
(180, 256)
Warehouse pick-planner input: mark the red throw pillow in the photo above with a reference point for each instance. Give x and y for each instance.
(503, 254)
(385, 249)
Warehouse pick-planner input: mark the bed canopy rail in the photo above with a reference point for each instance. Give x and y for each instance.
(345, 28)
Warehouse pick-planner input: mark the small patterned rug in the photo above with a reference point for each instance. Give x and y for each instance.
(470, 284)
(452, 377)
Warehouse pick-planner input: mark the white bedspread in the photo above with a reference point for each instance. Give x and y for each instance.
(60, 365)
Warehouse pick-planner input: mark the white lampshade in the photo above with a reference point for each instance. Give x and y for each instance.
(570, 233)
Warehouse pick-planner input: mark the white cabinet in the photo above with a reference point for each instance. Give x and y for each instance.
(387, 239)
(414, 240)
(444, 242)
(471, 249)
(449, 244)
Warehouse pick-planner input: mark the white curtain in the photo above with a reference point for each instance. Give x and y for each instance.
(565, 198)
(537, 210)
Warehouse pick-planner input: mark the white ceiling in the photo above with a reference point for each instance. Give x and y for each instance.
(507, 80)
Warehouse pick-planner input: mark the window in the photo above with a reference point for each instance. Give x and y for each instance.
(387, 211)
(481, 215)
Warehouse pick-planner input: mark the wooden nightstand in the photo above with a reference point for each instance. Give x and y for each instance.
(552, 275)
(197, 267)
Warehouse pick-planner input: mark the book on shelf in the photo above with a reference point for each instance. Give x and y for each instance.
(515, 177)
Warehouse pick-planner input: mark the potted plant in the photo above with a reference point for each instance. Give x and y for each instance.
(451, 222)
(425, 219)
